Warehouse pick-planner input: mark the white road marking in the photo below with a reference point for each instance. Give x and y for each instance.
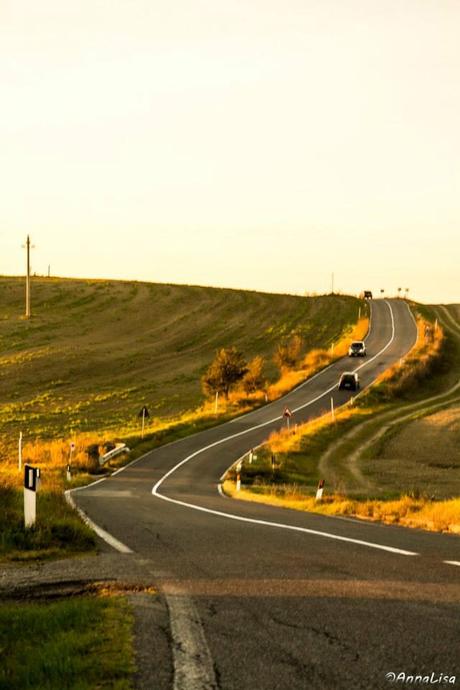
(281, 525)
(114, 543)
(231, 516)
(452, 563)
(193, 666)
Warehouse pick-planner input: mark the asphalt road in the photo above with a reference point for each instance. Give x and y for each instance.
(262, 598)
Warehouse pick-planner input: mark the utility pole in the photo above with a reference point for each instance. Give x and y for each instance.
(28, 247)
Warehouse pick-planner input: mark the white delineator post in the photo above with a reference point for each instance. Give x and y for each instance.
(20, 451)
(238, 476)
(332, 410)
(31, 475)
(319, 490)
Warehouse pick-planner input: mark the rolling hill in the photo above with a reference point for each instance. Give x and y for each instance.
(95, 351)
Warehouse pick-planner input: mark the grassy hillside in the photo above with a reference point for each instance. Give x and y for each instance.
(95, 351)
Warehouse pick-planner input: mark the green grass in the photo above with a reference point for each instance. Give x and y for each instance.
(95, 351)
(58, 530)
(79, 644)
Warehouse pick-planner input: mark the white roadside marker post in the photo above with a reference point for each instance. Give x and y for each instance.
(31, 483)
(238, 476)
(332, 409)
(20, 451)
(69, 466)
(319, 490)
(251, 456)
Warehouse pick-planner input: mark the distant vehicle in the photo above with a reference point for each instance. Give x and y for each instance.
(357, 349)
(349, 380)
(367, 294)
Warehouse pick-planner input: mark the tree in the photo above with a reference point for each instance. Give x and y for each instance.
(288, 353)
(226, 370)
(253, 379)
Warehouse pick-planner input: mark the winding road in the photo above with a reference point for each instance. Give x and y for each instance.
(263, 598)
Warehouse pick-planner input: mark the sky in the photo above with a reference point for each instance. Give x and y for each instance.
(262, 145)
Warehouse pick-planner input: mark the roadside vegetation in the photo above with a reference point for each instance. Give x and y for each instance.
(370, 459)
(79, 643)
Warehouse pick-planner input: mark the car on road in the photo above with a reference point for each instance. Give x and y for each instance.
(357, 349)
(349, 381)
(367, 294)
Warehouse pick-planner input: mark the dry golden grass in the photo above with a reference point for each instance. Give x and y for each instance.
(285, 441)
(438, 516)
(417, 364)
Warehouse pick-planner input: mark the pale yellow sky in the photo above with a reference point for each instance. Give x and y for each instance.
(260, 145)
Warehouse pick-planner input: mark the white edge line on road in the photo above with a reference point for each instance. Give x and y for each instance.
(294, 528)
(114, 543)
(452, 563)
(231, 516)
(193, 665)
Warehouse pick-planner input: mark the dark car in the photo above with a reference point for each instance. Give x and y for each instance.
(357, 349)
(349, 381)
(367, 294)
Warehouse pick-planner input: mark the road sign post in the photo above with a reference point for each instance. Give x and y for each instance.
(31, 483)
(287, 414)
(143, 414)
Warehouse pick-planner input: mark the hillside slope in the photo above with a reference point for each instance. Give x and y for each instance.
(95, 351)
